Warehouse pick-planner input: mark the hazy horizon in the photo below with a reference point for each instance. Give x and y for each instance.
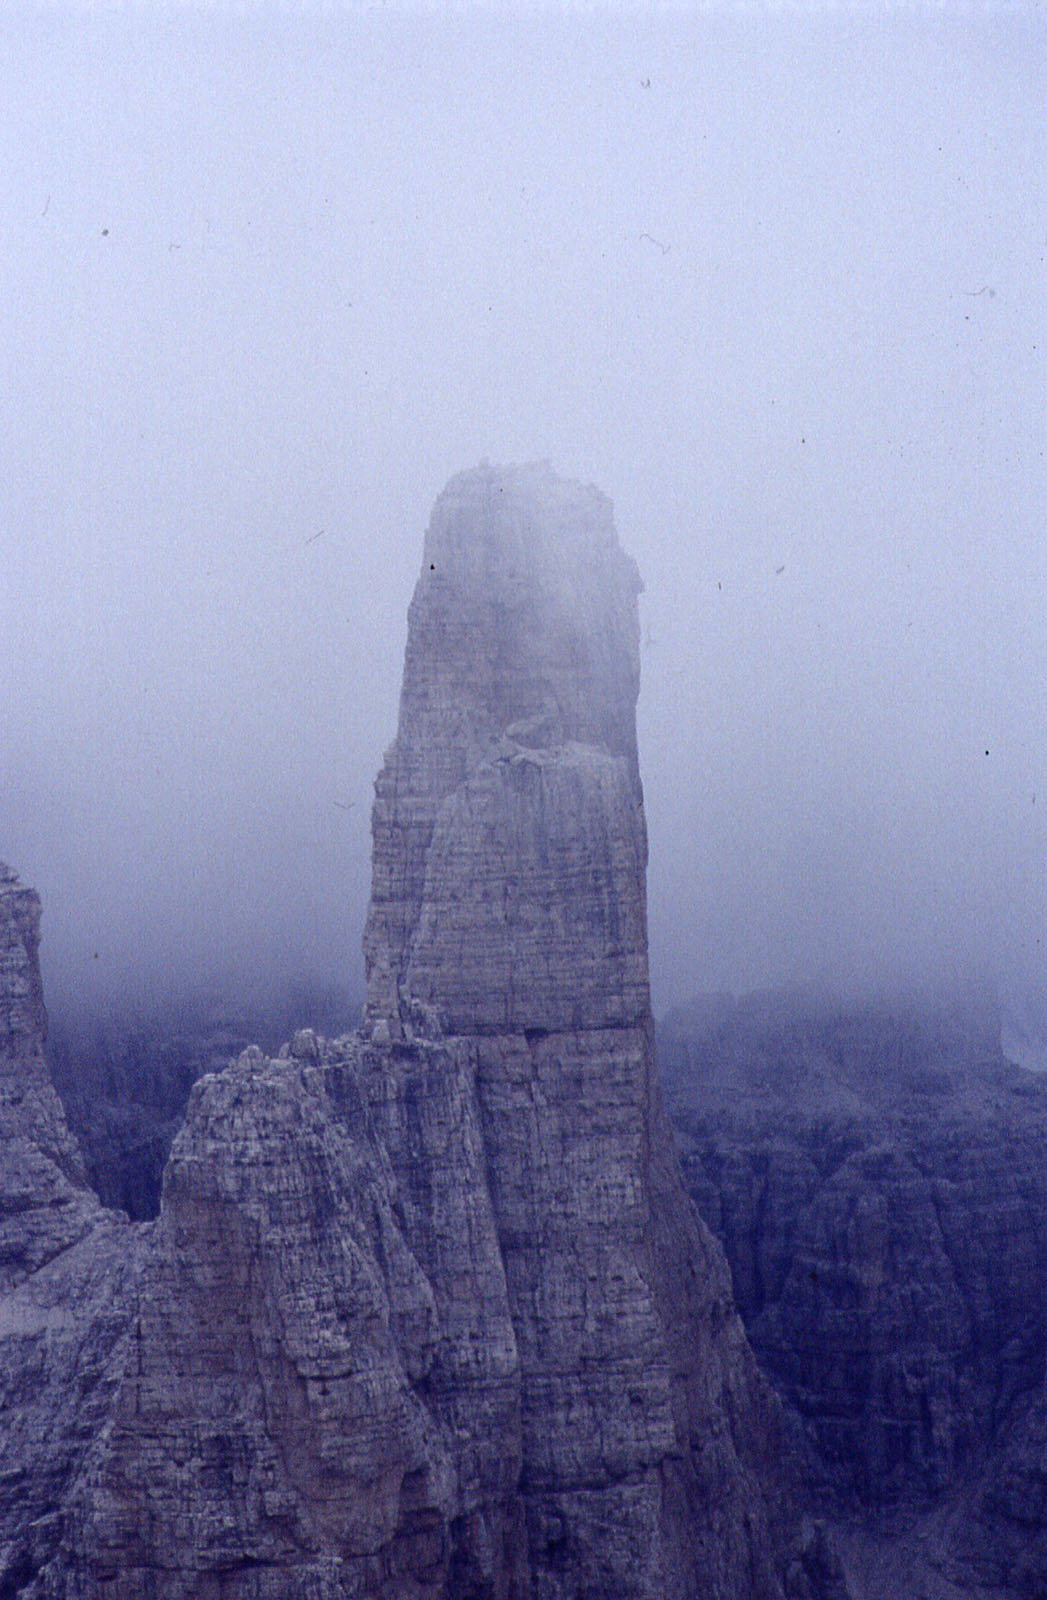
(774, 282)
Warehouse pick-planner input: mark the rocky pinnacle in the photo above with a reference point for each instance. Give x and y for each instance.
(426, 1314)
(509, 914)
(509, 844)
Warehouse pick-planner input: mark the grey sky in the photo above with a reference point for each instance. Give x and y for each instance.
(773, 281)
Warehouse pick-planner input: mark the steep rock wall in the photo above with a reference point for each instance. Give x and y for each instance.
(46, 1204)
(509, 914)
(877, 1181)
(876, 1176)
(66, 1270)
(287, 1424)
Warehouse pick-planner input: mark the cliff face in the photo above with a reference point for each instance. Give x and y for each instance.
(281, 1430)
(65, 1266)
(426, 1312)
(46, 1202)
(518, 705)
(876, 1177)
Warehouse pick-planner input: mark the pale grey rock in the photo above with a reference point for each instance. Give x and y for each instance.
(427, 1314)
(64, 1332)
(66, 1271)
(509, 903)
(44, 1201)
(522, 635)
(124, 1074)
(304, 1045)
(551, 848)
(267, 1436)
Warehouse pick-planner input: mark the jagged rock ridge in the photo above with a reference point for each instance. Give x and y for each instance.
(124, 1074)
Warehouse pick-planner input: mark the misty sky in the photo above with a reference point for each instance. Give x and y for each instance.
(774, 281)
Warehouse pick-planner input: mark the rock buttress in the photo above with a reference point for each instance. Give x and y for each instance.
(284, 1429)
(509, 918)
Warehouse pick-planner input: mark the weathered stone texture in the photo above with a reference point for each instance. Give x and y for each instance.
(530, 875)
(124, 1073)
(876, 1176)
(509, 913)
(522, 629)
(66, 1268)
(427, 1314)
(270, 1438)
(44, 1202)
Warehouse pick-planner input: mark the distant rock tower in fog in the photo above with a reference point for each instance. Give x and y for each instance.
(509, 846)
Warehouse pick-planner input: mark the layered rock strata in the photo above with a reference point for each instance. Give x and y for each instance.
(46, 1203)
(298, 1419)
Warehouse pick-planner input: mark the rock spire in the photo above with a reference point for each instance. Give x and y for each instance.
(426, 1314)
(517, 722)
(509, 918)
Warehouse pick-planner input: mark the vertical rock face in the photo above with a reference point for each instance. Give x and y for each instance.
(45, 1202)
(64, 1269)
(876, 1175)
(519, 693)
(509, 914)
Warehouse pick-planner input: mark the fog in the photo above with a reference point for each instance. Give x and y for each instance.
(773, 280)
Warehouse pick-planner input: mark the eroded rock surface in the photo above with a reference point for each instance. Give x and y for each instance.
(427, 1312)
(876, 1176)
(124, 1074)
(509, 915)
(282, 1426)
(46, 1205)
(66, 1269)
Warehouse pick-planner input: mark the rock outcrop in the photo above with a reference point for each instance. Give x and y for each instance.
(517, 734)
(124, 1074)
(274, 1435)
(427, 1313)
(46, 1203)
